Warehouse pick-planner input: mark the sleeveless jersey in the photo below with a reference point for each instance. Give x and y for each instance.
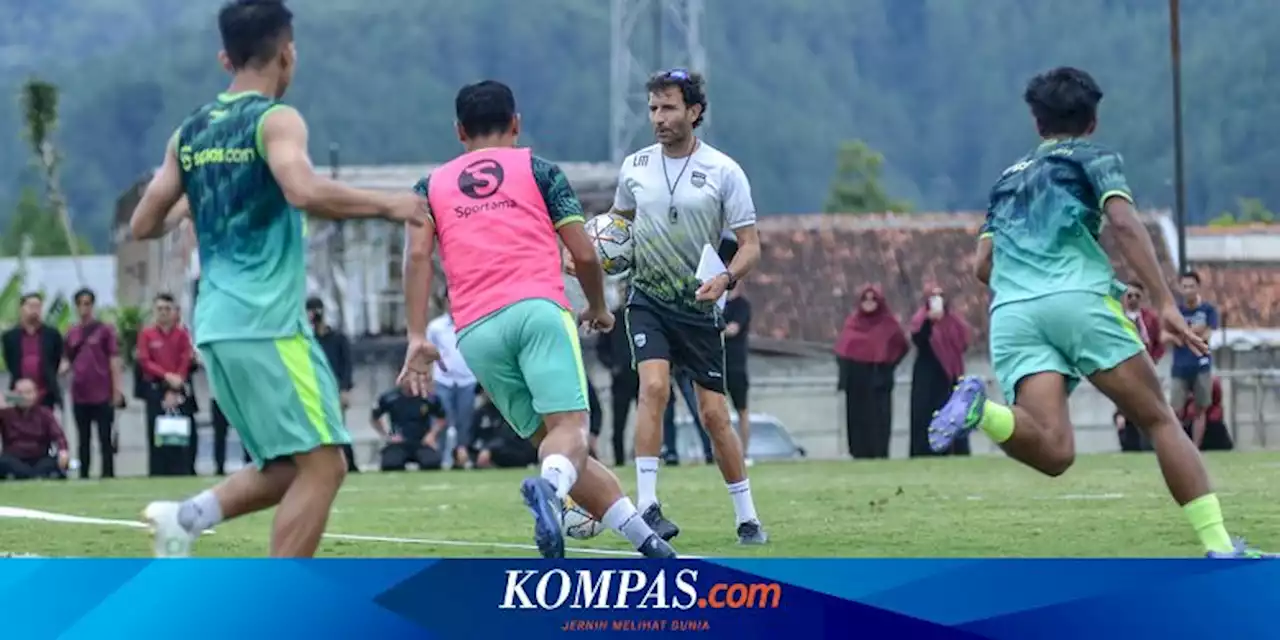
(496, 223)
(252, 248)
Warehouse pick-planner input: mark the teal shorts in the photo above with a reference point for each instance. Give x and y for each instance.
(1074, 333)
(528, 359)
(280, 395)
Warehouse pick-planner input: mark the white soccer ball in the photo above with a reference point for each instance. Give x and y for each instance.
(611, 235)
(578, 524)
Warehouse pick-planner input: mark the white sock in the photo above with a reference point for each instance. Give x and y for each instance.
(200, 512)
(623, 518)
(560, 472)
(743, 507)
(646, 482)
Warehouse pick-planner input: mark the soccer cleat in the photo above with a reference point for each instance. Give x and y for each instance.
(665, 528)
(657, 548)
(961, 414)
(1241, 551)
(172, 540)
(548, 530)
(750, 532)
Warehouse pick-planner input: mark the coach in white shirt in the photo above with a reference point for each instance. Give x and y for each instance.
(454, 382)
(682, 193)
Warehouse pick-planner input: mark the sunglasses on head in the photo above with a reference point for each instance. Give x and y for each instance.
(676, 74)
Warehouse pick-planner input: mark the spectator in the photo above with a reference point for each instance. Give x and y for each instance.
(869, 349)
(454, 381)
(613, 349)
(495, 443)
(34, 446)
(165, 355)
(941, 338)
(33, 350)
(416, 426)
(670, 440)
(737, 319)
(337, 350)
(93, 357)
(1216, 435)
(1193, 374)
(1145, 320)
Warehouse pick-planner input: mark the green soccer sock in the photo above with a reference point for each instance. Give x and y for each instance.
(997, 422)
(1205, 515)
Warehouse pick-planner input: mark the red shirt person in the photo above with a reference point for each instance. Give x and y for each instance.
(33, 444)
(165, 351)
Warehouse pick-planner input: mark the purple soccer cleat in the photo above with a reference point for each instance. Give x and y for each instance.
(961, 414)
(1241, 551)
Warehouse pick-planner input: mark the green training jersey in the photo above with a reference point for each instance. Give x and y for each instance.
(253, 276)
(1044, 220)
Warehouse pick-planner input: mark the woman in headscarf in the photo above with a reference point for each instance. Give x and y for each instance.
(869, 349)
(941, 338)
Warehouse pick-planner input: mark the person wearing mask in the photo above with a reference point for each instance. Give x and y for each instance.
(165, 356)
(869, 349)
(93, 358)
(941, 338)
(1193, 374)
(33, 350)
(737, 323)
(32, 445)
(454, 382)
(337, 350)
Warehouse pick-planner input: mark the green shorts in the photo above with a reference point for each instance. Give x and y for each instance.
(280, 395)
(528, 359)
(1075, 333)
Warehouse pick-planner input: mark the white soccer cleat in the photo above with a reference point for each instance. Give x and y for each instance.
(172, 540)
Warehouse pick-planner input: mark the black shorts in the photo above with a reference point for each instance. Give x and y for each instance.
(698, 349)
(738, 385)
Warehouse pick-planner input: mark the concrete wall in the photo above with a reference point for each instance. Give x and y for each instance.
(800, 392)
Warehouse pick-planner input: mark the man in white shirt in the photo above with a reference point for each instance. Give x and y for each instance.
(455, 384)
(682, 193)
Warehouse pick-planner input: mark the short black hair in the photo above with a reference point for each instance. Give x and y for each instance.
(315, 303)
(485, 108)
(252, 30)
(29, 295)
(1064, 101)
(165, 297)
(1191, 274)
(84, 292)
(692, 87)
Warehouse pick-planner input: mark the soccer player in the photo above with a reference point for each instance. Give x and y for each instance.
(1053, 317)
(238, 167)
(682, 193)
(498, 210)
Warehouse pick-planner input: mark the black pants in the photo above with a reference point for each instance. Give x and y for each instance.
(29, 468)
(167, 460)
(623, 393)
(516, 455)
(104, 416)
(221, 428)
(397, 456)
(683, 385)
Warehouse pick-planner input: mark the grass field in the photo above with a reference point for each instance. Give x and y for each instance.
(1107, 505)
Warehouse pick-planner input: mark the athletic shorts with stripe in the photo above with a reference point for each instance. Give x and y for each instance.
(280, 394)
(527, 357)
(1074, 333)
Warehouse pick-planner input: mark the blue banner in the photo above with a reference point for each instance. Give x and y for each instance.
(778, 599)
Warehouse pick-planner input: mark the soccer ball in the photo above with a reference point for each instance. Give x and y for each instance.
(611, 235)
(578, 524)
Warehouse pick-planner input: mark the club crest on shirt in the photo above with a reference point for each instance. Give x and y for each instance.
(698, 179)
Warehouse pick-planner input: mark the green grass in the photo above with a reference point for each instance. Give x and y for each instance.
(1107, 505)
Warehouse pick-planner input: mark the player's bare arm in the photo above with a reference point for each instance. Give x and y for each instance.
(1135, 245)
(284, 135)
(161, 207)
(982, 265)
(586, 267)
(419, 273)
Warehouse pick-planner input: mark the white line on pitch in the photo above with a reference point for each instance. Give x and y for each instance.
(61, 518)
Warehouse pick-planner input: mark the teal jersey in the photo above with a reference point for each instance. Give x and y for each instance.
(253, 276)
(1044, 221)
